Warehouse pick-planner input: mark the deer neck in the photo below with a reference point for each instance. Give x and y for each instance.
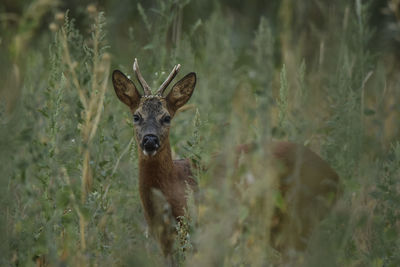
(154, 171)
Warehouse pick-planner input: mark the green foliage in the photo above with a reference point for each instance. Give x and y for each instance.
(386, 214)
(283, 98)
(262, 73)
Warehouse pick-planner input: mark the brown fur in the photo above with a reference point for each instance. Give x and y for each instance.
(172, 178)
(163, 183)
(306, 182)
(309, 186)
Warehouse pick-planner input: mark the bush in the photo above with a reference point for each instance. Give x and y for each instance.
(310, 73)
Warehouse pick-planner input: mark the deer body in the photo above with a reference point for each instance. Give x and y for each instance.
(172, 178)
(304, 178)
(309, 187)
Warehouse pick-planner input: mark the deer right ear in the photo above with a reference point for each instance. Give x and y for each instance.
(181, 92)
(125, 89)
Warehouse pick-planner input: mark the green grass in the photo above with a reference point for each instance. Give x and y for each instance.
(319, 74)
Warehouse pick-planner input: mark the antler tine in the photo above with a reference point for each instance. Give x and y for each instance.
(143, 83)
(171, 76)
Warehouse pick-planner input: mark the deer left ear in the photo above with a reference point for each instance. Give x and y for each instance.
(125, 89)
(181, 92)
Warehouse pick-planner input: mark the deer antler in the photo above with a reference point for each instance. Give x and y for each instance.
(143, 83)
(171, 76)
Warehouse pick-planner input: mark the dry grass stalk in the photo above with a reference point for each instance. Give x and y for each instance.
(92, 101)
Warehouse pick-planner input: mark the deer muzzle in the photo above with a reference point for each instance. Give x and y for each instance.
(150, 144)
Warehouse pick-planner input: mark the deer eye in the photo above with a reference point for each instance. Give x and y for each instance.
(166, 119)
(136, 118)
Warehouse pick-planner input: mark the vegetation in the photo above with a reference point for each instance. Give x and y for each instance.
(320, 73)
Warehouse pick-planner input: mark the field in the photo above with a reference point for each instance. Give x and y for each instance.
(320, 73)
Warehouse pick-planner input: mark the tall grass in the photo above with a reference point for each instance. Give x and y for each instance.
(69, 164)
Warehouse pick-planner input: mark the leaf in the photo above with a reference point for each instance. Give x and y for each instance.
(63, 197)
(369, 112)
(43, 112)
(148, 47)
(280, 202)
(243, 213)
(103, 163)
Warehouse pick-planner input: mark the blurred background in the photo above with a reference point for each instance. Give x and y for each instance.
(321, 73)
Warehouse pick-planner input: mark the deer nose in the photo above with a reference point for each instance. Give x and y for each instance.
(150, 142)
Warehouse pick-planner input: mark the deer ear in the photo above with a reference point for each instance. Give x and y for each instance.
(181, 92)
(125, 89)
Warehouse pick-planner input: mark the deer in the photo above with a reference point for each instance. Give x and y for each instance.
(301, 171)
(160, 177)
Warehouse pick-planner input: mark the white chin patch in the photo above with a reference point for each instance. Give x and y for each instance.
(152, 153)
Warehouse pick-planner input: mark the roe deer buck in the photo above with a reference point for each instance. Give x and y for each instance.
(158, 173)
(304, 180)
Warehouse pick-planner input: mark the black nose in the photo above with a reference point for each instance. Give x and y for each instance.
(150, 142)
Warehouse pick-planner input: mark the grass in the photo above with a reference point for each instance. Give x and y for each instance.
(69, 164)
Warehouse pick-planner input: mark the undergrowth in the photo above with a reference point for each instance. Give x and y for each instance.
(69, 184)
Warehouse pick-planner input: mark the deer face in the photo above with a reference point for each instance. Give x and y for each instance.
(152, 114)
(151, 120)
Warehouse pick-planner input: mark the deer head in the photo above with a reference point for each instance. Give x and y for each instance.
(152, 113)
